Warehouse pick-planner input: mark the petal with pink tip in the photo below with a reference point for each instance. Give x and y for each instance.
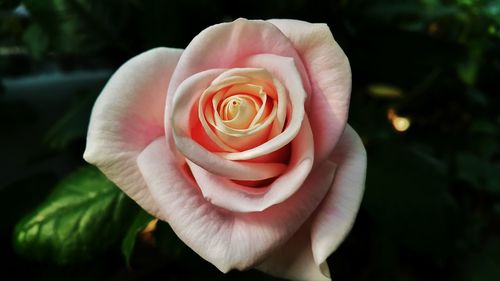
(185, 116)
(127, 116)
(232, 196)
(304, 256)
(226, 239)
(222, 45)
(337, 212)
(294, 261)
(284, 70)
(330, 78)
(253, 84)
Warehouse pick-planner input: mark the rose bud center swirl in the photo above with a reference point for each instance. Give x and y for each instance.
(241, 112)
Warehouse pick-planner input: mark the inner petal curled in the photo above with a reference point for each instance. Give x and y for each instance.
(198, 140)
(239, 112)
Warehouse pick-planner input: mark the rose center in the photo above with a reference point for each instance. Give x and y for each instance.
(242, 109)
(238, 111)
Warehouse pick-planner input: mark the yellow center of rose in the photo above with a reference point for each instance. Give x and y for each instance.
(241, 107)
(240, 112)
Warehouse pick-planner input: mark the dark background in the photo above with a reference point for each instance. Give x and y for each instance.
(431, 210)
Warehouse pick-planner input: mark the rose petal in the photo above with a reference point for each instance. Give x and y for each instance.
(221, 45)
(304, 256)
(330, 74)
(284, 70)
(232, 139)
(228, 240)
(127, 116)
(185, 115)
(235, 197)
(337, 212)
(278, 66)
(294, 260)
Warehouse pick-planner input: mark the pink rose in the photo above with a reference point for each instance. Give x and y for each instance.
(240, 143)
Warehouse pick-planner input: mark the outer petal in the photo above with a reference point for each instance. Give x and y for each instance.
(338, 210)
(330, 77)
(127, 116)
(295, 261)
(304, 256)
(228, 240)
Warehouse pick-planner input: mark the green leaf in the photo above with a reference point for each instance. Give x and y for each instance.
(84, 215)
(141, 220)
(467, 71)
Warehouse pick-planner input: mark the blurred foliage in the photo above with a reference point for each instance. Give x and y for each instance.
(9, 4)
(432, 201)
(72, 124)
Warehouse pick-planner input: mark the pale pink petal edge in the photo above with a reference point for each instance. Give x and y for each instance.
(232, 196)
(330, 77)
(337, 213)
(226, 239)
(304, 256)
(127, 116)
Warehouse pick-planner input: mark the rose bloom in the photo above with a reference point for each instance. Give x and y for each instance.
(240, 143)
